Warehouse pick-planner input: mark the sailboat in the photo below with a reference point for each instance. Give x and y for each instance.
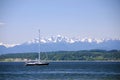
(37, 62)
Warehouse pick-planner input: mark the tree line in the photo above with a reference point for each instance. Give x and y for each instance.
(87, 55)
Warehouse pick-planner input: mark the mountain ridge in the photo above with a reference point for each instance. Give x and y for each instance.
(61, 43)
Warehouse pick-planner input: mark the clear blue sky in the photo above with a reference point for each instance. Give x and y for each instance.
(21, 19)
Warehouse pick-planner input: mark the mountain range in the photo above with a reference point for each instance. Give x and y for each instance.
(61, 43)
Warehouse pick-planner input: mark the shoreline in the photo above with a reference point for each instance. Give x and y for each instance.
(70, 61)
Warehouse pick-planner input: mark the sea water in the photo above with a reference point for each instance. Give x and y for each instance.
(61, 71)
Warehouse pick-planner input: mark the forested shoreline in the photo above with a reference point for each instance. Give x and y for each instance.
(83, 55)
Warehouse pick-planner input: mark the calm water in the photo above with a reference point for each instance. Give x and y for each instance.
(61, 71)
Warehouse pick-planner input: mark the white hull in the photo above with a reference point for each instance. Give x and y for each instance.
(36, 63)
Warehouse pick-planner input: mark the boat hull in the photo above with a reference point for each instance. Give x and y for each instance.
(37, 64)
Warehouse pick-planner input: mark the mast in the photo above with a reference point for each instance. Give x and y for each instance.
(39, 46)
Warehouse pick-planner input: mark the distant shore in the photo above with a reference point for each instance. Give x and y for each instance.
(72, 61)
(65, 56)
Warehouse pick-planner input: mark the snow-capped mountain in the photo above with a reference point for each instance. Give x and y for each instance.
(59, 38)
(53, 39)
(8, 45)
(57, 43)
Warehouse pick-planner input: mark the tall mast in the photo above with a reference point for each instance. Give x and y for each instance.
(39, 45)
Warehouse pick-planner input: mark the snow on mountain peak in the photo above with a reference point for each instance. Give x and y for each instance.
(36, 40)
(90, 40)
(8, 45)
(87, 40)
(59, 35)
(99, 40)
(57, 43)
(60, 38)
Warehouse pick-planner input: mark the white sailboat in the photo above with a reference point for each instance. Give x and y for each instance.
(37, 62)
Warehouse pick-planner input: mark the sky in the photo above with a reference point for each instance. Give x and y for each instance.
(21, 19)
